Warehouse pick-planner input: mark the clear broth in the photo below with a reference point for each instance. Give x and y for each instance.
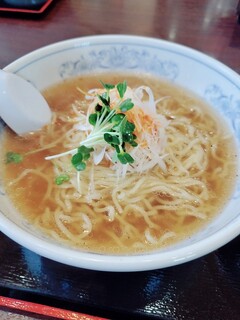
(28, 194)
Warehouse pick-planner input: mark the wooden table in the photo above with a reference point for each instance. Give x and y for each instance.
(207, 288)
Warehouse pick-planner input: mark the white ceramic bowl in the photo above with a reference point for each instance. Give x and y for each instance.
(203, 75)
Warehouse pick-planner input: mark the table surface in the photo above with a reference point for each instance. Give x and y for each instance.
(207, 288)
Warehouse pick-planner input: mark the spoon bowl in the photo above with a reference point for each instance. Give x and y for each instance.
(22, 106)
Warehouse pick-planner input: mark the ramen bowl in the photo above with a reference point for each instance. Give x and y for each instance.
(197, 72)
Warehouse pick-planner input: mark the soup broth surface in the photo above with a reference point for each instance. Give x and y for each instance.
(140, 211)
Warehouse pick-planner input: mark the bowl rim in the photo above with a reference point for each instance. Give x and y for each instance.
(16, 65)
(120, 263)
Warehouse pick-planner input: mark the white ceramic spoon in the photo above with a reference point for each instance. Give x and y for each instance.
(22, 107)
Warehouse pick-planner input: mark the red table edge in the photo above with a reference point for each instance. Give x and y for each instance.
(44, 310)
(21, 10)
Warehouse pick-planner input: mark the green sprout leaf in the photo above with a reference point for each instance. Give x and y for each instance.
(104, 100)
(77, 162)
(93, 119)
(113, 140)
(85, 152)
(81, 166)
(62, 178)
(133, 143)
(129, 127)
(125, 158)
(122, 87)
(126, 105)
(13, 157)
(129, 158)
(107, 86)
(122, 158)
(79, 158)
(127, 137)
(117, 119)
